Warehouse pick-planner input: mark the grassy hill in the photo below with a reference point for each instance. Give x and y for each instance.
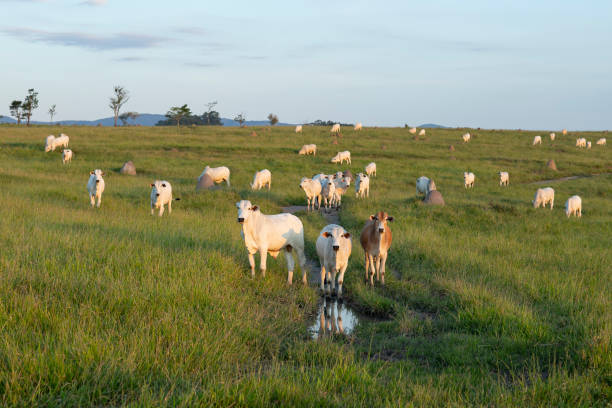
(488, 301)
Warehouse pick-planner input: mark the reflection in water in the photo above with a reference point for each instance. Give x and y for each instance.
(334, 317)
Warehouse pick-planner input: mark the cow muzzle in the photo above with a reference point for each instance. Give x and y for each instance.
(97, 181)
(157, 195)
(336, 248)
(381, 230)
(240, 220)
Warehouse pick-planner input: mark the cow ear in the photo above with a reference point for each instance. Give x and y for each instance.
(91, 172)
(254, 208)
(372, 217)
(389, 218)
(326, 234)
(164, 185)
(152, 185)
(104, 174)
(347, 235)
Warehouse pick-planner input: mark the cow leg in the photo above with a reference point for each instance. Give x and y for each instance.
(367, 266)
(290, 266)
(170, 206)
(372, 269)
(152, 210)
(341, 281)
(228, 182)
(383, 263)
(92, 199)
(99, 200)
(328, 283)
(302, 262)
(161, 210)
(551, 204)
(263, 257)
(252, 263)
(334, 290)
(322, 283)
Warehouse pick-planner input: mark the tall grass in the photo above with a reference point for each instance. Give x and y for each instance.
(488, 301)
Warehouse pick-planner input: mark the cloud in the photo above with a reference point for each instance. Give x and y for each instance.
(129, 59)
(200, 65)
(85, 40)
(94, 2)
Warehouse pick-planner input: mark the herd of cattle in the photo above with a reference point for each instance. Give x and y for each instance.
(272, 234)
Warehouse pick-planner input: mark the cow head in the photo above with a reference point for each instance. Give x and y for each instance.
(157, 188)
(245, 210)
(97, 173)
(380, 221)
(336, 235)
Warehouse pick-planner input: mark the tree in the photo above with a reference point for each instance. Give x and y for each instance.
(211, 118)
(51, 112)
(118, 100)
(240, 118)
(273, 119)
(16, 108)
(29, 104)
(124, 117)
(177, 113)
(210, 106)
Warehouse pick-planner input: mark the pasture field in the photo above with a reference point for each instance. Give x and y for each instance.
(488, 301)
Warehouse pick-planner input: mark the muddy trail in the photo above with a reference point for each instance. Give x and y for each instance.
(569, 178)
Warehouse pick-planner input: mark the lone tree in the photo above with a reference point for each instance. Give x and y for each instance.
(16, 108)
(177, 113)
(210, 107)
(273, 119)
(29, 104)
(51, 112)
(124, 117)
(118, 100)
(240, 118)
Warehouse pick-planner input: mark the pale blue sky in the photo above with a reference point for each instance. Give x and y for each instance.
(495, 64)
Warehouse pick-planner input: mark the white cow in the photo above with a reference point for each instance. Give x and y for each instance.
(298, 129)
(370, 169)
(261, 179)
(335, 128)
(537, 140)
(413, 131)
(271, 234)
(312, 188)
(49, 143)
(544, 196)
(328, 192)
(217, 174)
(581, 142)
(422, 184)
(66, 156)
(61, 141)
(601, 141)
(341, 157)
(588, 145)
(358, 126)
(468, 179)
(466, 137)
(564, 132)
(95, 186)
(573, 206)
(341, 186)
(161, 194)
(334, 248)
(308, 149)
(504, 178)
(552, 137)
(362, 185)
(422, 132)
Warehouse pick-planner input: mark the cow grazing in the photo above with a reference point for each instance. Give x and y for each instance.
(308, 149)
(66, 156)
(161, 194)
(370, 169)
(552, 137)
(49, 146)
(271, 234)
(312, 188)
(602, 141)
(328, 192)
(573, 206)
(537, 140)
(341, 186)
(362, 186)
(261, 179)
(581, 142)
(504, 178)
(466, 137)
(358, 126)
(335, 128)
(298, 129)
(376, 240)
(413, 131)
(95, 186)
(468, 179)
(217, 174)
(341, 157)
(334, 248)
(422, 132)
(544, 196)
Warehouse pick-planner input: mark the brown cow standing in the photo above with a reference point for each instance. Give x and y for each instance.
(376, 240)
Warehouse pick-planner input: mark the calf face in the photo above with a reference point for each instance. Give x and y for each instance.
(335, 237)
(98, 174)
(380, 221)
(245, 210)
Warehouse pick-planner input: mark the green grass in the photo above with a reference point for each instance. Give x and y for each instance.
(488, 301)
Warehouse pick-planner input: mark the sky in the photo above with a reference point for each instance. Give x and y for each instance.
(492, 64)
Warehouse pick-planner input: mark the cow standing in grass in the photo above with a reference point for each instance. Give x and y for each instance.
(376, 240)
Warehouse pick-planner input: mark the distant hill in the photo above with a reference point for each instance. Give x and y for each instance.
(432, 125)
(144, 119)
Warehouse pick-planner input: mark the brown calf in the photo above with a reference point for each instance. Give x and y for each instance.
(376, 240)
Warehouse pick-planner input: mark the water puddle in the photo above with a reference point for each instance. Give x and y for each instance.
(333, 317)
